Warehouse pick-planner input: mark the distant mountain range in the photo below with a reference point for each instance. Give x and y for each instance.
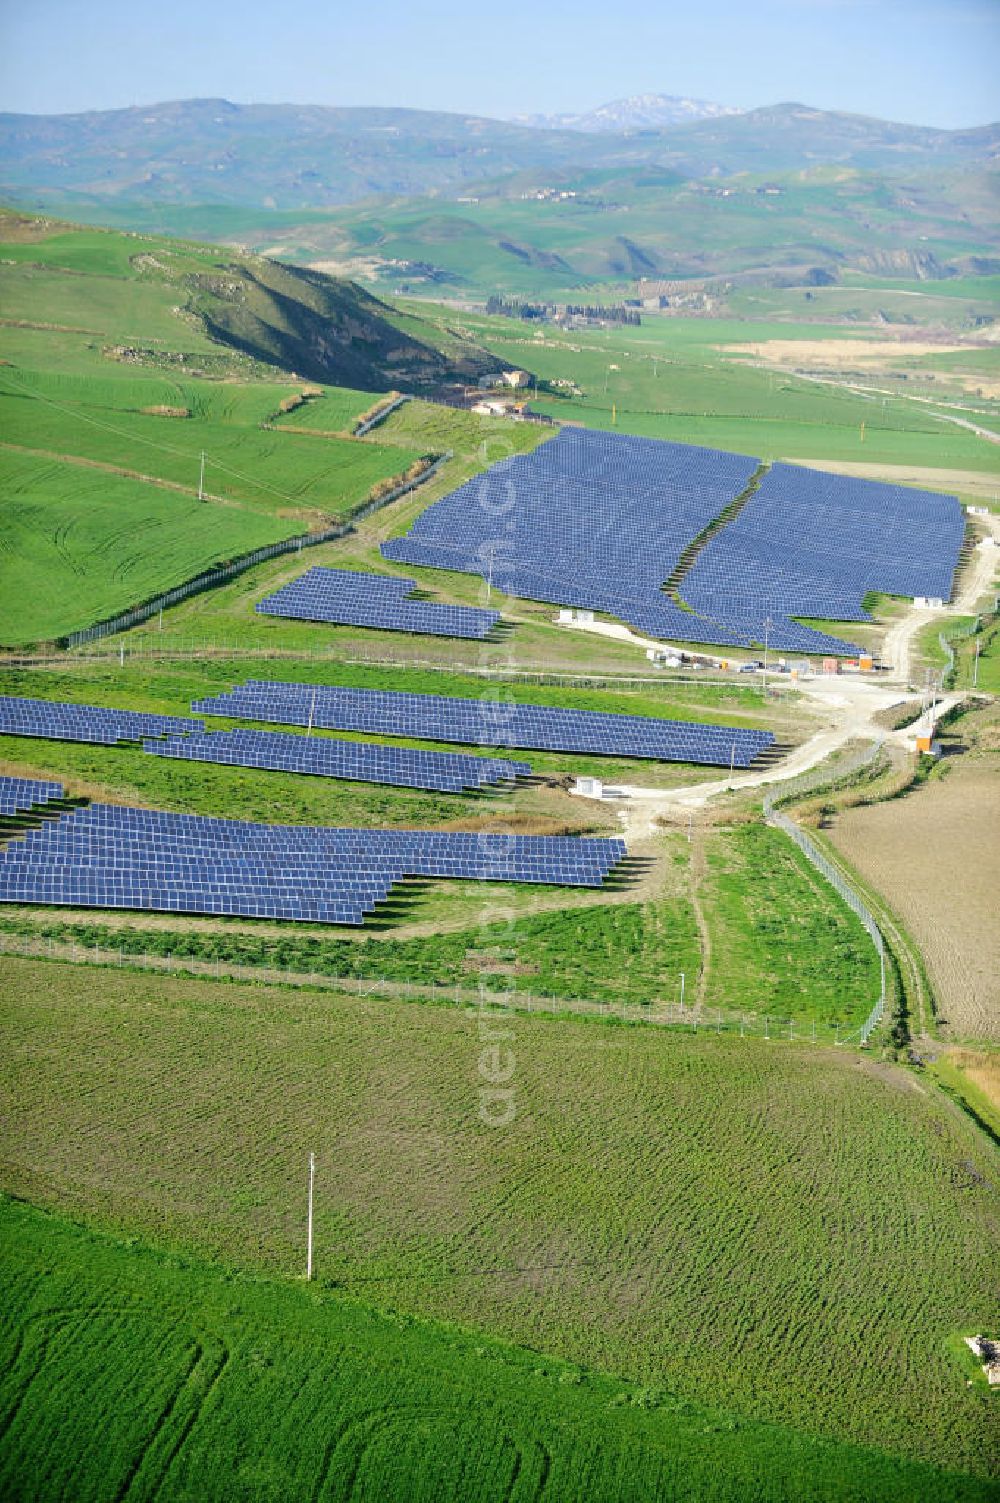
(294, 157)
(637, 112)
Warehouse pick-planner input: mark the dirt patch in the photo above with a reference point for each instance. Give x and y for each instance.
(934, 854)
(842, 354)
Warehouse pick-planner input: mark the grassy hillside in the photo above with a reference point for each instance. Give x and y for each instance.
(131, 368)
(378, 1403)
(774, 1229)
(186, 308)
(80, 545)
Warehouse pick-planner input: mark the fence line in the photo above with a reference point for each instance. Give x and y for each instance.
(659, 1013)
(821, 777)
(947, 644)
(210, 578)
(360, 429)
(827, 870)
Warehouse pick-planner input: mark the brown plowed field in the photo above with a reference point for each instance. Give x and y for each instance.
(934, 854)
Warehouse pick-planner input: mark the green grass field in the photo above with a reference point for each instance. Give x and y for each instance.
(304, 477)
(676, 378)
(101, 496)
(81, 544)
(777, 1230)
(782, 943)
(133, 1371)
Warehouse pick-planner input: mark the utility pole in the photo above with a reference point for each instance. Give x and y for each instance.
(768, 623)
(489, 577)
(309, 1223)
(975, 666)
(312, 712)
(682, 989)
(201, 478)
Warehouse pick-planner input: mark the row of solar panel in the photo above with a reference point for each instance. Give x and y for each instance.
(436, 771)
(20, 795)
(434, 717)
(344, 598)
(401, 767)
(110, 856)
(52, 720)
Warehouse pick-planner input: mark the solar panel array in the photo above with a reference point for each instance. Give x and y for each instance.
(53, 721)
(600, 521)
(346, 598)
(402, 767)
(434, 717)
(106, 856)
(809, 543)
(587, 519)
(19, 795)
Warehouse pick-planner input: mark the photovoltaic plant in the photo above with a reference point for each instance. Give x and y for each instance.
(20, 795)
(435, 717)
(107, 856)
(345, 598)
(51, 720)
(361, 761)
(810, 543)
(601, 521)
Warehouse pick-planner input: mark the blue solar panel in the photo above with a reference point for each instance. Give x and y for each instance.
(600, 521)
(107, 856)
(434, 717)
(19, 795)
(52, 720)
(345, 598)
(588, 519)
(402, 767)
(810, 543)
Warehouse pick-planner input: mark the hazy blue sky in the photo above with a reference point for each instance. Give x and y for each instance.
(928, 61)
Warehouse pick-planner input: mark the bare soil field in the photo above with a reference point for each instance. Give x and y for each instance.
(934, 854)
(844, 354)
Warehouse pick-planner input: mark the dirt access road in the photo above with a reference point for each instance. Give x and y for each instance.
(845, 706)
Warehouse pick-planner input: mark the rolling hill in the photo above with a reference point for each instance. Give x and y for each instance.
(548, 235)
(293, 157)
(174, 305)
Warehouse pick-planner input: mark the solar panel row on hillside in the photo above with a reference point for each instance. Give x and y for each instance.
(600, 521)
(811, 543)
(402, 767)
(19, 795)
(54, 721)
(105, 856)
(434, 717)
(587, 519)
(345, 598)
